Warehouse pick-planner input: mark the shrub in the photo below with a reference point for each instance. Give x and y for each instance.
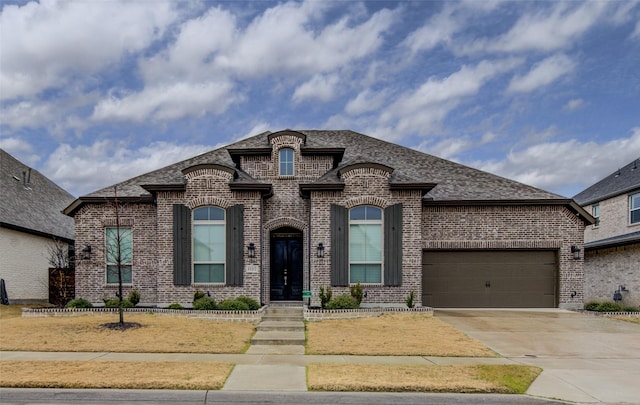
(198, 294)
(79, 303)
(175, 305)
(592, 306)
(631, 309)
(609, 307)
(233, 305)
(356, 292)
(325, 296)
(343, 301)
(204, 303)
(251, 303)
(134, 297)
(410, 299)
(115, 303)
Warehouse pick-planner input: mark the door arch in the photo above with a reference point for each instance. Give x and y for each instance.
(286, 264)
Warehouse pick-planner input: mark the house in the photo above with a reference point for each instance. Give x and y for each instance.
(278, 215)
(612, 243)
(31, 222)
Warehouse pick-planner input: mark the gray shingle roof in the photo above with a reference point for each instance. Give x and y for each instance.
(619, 182)
(620, 240)
(454, 181)
(36, 208)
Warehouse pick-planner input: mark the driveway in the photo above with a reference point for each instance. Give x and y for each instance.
(585, 358)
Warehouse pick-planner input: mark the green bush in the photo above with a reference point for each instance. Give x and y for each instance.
(79, 303)
(325, 296)
(356, 292)
(198, 294)
(592, 306)
(233, 305)
(134, 297)
(175, 305)
(343, 301)
(631, 309)
(609, 307)
(204, 303)
(251, 303)
(410, 300)
(115, 303)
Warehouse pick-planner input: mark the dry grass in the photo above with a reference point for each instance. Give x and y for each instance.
(108, 374)
(15, 310)
(507, 379)
(632, 319)
(392, 335)
(158, 334)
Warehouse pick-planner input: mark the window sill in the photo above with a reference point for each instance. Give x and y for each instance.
(207, 284)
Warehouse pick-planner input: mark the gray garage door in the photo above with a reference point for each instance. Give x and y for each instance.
(489, 279)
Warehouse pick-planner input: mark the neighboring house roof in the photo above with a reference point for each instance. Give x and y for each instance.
(31, 202)
(619, 182)
(453, 182)
(619, 240)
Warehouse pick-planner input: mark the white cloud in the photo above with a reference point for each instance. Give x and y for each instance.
(426, 107)
(319, 87)
(542, 74)
(439, 29)
(636, 31)
(46, 45)
(366, 101)
(574, 104)
(446, 149)
(86, 168)
(569, 166)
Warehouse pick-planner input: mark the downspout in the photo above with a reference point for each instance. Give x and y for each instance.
(309, 251)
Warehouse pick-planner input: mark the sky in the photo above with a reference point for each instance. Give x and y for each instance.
(545, 92)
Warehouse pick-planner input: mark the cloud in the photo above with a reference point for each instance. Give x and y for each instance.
(423, 109)
(366, 101)
(85, 168)
(574, 104)
(544, 30)
(319, 87)
(565, 167)
(49, 44)
(636, 31)
(542, 74)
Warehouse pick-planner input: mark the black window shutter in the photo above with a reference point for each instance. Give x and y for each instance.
(235, 245)
(393, 245)
(181, 245)
(339, 246)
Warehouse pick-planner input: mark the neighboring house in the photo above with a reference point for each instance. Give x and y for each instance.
(278, 214)
(612, 243)
(30, 220)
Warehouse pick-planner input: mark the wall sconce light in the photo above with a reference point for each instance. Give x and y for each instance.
(86, 253)
(576, 252)
(252, 249)
(320, 250)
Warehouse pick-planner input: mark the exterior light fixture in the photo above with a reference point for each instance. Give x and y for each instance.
(576, 252)
(86, 253)
(252, 249)
(320, 250)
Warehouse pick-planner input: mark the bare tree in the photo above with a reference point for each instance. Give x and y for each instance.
(119, 252)
(60, 277)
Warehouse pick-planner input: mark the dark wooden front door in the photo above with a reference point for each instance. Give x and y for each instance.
(286, 265)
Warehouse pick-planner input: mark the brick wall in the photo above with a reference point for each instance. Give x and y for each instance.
(606, 269)
(614, 219)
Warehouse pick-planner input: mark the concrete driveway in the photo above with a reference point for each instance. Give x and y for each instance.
(585, 358)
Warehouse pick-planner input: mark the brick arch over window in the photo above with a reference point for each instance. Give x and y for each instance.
(266, 251)
(366, 200)
(208, 200)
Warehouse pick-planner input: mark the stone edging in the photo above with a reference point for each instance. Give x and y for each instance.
(321, 314)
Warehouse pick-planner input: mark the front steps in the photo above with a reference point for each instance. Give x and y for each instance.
(281, 325)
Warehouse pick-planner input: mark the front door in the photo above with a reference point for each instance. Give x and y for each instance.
(286, 265)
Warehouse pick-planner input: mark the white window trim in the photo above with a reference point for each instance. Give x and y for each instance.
(106, 256)
(293, 162)
(368, 222)
(194, 223)
(637, 195)
(597, 218)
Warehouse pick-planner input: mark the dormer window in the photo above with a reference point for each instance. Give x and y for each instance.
(286, 162)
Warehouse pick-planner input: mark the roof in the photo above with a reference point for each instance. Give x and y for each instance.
(453, 181)
(620, 240)
(619, 182)
(31, 202)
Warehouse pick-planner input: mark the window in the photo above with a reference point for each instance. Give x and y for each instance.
(595, 211)
(286, 162)
(634, 208)
(365, 245)
(119, 249)
(208, 245)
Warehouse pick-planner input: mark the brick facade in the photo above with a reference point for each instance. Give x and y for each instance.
(614, 219)
(605, 270)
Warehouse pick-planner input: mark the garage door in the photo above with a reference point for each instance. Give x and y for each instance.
(489, 279)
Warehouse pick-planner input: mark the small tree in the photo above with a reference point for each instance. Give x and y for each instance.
(118, 252)
(59, 278)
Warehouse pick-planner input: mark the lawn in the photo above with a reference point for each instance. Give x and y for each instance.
(393, 335)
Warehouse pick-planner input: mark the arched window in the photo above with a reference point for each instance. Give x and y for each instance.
(365, 245)
(209, 245)
(286, 162)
